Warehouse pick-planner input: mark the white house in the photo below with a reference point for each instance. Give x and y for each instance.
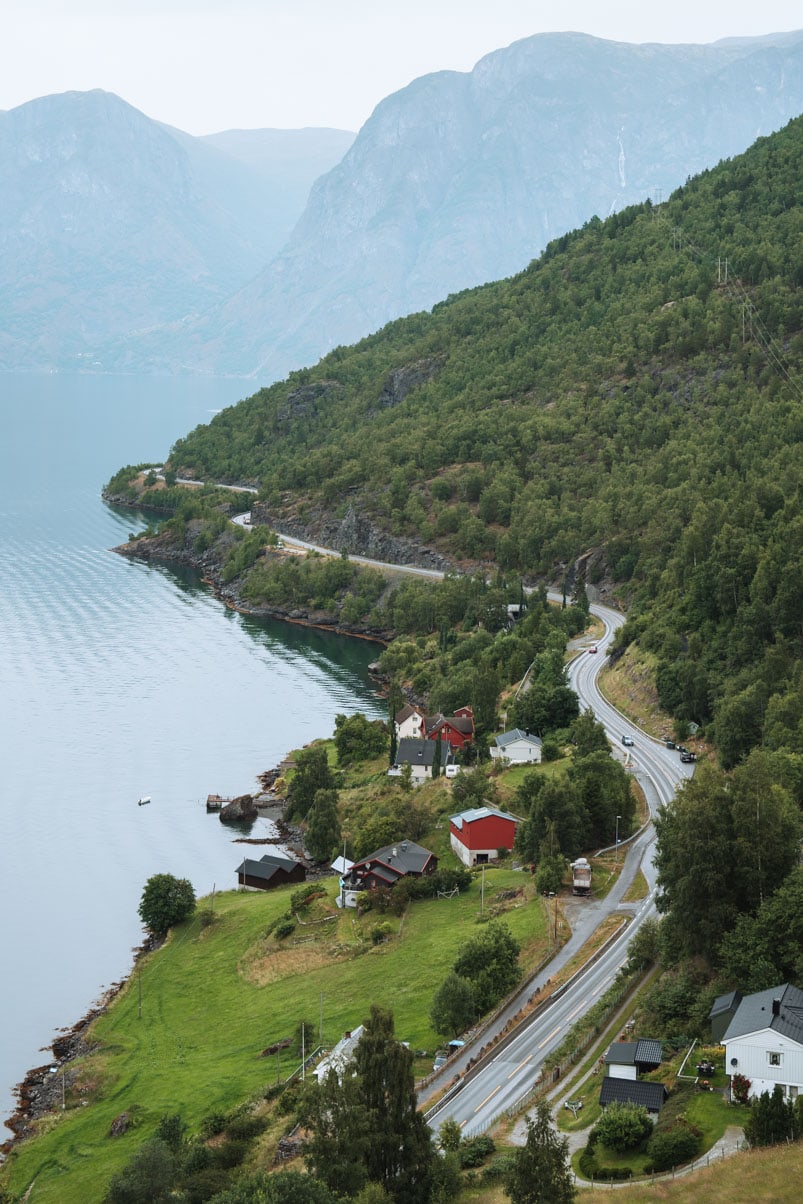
(517, 747)
(420, 756)
(764, 1040)
(340, 1056)
(410, 723)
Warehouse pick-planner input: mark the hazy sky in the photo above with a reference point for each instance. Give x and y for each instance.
(208, 65)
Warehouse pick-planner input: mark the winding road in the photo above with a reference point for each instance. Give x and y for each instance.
(501, 1082)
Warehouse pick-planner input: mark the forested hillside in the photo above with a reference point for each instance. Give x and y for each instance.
(636, 391)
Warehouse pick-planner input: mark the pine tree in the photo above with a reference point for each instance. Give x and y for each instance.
(540, 1173)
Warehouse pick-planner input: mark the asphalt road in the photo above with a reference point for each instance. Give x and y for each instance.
(506, 1077)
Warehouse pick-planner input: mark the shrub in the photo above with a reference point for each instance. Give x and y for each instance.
(475, 1150)
(622, 1126)
(245, 1128)
(672, 1147)
(284, 929)
(231, 1153)
(213, 1124)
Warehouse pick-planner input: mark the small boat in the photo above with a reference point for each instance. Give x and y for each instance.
(142, 802)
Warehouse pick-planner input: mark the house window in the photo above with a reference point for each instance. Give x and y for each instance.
(774, 1059)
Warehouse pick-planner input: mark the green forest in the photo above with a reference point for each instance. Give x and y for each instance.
(635, 392)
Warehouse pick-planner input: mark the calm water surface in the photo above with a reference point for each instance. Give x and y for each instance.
(120, 680)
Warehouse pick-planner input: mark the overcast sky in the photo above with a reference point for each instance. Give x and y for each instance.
(208, 65)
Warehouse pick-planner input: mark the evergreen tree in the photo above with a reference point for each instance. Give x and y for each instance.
(540, 1173)
(323, 826)
(400, 1155)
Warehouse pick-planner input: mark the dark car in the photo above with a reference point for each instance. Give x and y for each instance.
(669, 743)
(687, 757)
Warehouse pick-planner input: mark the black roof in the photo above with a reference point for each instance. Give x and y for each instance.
(419, 752)
(267, 866)
(405, 857)
(633, 1091)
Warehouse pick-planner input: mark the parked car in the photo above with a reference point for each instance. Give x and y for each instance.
(627, 741)
(688, 757)
(669, 743)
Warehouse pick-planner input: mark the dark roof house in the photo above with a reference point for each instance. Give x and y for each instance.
(386, 866)
(271, 870)
(723, 1009)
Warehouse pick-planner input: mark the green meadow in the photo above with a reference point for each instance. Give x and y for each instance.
(214, 997)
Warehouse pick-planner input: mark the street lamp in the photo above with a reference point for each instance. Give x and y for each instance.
(617, 838)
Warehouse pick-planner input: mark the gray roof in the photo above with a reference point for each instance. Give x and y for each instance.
(779, 1008)
(417, 751)
(405, 857)
(505, 738)
(633, 1091)
(621, 1053)
(469, 817)
(267, 866)
(725, 1003)
(649, 1052)
(644, 1052)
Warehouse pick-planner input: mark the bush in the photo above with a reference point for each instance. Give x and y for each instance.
(622, 1127)
(245, 1128)
(231, 1153)
(672, 1147)
(475, 1150)
(284, 929)
(213, 1124)
(496, 1170)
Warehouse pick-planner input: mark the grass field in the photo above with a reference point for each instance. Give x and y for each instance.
(755, 1176)
(214, 998)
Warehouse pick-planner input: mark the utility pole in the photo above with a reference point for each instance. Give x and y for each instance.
(617, 838)
(320, 1032)
(139, 980)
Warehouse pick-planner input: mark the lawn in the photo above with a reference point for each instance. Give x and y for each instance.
(214, 998)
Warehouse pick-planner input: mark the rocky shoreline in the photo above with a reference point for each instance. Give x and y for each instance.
(354, 534)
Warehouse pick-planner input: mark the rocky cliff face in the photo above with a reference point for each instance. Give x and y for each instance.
(111, 223)
(463, 178)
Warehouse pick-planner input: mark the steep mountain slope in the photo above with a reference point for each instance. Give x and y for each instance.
(111, 223)
(628, 407)
(463, 178)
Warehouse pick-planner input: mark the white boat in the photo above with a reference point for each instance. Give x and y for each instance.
(141, 802)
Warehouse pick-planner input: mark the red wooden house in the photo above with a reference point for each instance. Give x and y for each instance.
(457, 729)
(478, 835)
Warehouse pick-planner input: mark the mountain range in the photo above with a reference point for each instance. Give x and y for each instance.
(136, 247)
(111, 223)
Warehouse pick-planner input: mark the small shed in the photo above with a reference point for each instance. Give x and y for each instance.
(633, 1091)
(271, 870)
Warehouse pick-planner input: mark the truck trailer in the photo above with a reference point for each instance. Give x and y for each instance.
(581, 877)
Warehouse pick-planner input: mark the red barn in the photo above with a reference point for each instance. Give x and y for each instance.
(476, 836)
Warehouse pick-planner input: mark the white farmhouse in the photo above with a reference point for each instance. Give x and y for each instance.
(517, 747)
(764, 1040)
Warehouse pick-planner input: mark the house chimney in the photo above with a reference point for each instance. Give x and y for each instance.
(776, 1007)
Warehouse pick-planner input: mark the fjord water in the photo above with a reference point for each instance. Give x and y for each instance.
(120, 680)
